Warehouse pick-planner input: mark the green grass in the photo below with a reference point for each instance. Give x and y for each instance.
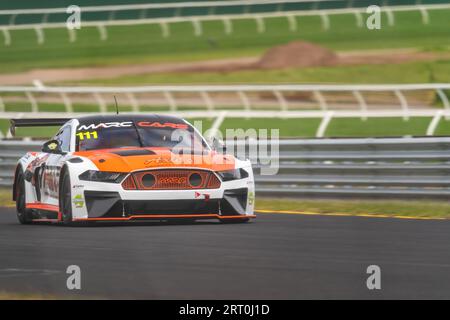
(430, 209)
(348, 127)
(144, 43)
(414, 72)
(6, 197)
(38, 132)
(354, 127)
(287, 127)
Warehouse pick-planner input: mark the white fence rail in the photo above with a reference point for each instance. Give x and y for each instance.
(243, 101)
(247, 97)
(196, 20)
(167, 5)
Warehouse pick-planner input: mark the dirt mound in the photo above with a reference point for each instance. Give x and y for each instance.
(297, 54)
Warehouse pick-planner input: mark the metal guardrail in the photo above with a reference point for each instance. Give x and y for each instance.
(357, 168)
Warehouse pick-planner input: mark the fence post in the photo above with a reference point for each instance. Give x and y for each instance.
(281, 100)
(359, 19)
(403, 103)
(324, 124)
(292, 20)
(320, 98)
(325, 21)
(444, 100)
(101, 103)
(198, 31)
(165, 29)
(7, 36)
(207, 99)
(2, 105)
(134, 103)
(143, 14)
(424, 14)
(112, 15)
(102, 31)
(44, 18)
(39, 35)
(12, 20)
(434, 123)
(362, 104)
(228, 25)
(245, 101)
(67, 102)
(171, 100)
(72, 35)
(390, 16)
(33, 102)
(260, 26)
(216, 125)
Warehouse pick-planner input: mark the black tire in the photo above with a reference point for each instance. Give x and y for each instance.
(24, 215)
(65, 200)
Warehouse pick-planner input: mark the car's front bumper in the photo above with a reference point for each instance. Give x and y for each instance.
(129, 205)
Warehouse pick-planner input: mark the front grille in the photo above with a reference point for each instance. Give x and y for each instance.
(175, 179)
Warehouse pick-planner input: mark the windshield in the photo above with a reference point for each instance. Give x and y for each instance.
(144, 134)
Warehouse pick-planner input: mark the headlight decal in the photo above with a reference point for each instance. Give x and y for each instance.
(102, 176)
(235, 174)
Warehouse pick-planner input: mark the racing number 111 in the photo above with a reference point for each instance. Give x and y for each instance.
(87, 135)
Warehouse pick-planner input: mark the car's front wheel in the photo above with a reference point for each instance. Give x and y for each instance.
(65, 202)
(24, 215)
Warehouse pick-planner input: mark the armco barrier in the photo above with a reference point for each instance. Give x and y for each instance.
(367, 167)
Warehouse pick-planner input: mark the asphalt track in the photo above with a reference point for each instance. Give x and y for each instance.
(278, 256)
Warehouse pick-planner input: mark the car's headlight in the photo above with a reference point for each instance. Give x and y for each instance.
(102, 176)
(235, 174)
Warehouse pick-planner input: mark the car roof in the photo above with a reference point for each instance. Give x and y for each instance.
(128, 118)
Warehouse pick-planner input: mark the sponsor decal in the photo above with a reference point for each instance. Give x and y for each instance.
(162, 125)
(50, 179)
(53, 146)
(251, 198)
(78, 201)
(105, 125)
(174, 180)
(88, 135)
(156, 161)
(204, 195)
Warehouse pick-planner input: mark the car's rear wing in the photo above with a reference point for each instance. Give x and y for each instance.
(16, 123)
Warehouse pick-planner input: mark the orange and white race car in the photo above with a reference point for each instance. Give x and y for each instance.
(129, 167)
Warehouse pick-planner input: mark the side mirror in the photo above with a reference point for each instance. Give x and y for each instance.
(52, 146)
(218, 146)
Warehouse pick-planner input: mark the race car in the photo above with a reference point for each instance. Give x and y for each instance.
(129, 167)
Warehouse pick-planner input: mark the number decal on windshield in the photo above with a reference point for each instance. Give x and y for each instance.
(87, 135)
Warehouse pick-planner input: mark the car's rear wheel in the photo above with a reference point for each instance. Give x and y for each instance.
(24, 215)
(65, 203)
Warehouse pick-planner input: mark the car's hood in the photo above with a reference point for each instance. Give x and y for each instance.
(132, 159)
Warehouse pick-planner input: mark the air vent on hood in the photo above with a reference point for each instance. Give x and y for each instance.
(136, 152)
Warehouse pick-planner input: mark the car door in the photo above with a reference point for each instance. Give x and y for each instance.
(53, 165)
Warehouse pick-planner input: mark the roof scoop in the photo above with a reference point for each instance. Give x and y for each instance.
(133, 152)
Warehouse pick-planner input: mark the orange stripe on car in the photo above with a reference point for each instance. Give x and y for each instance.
(164, 216)
(42, 206)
